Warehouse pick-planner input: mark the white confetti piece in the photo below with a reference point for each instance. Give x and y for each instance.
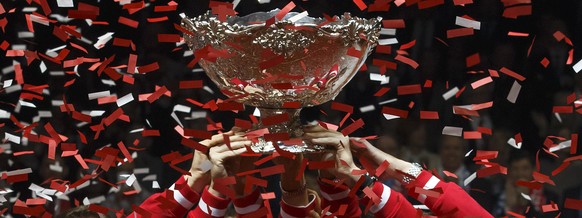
(25, 35)
(18, 172)
(383, 79)
(151, 177)
(298, 17)
(388, 101)
(40, 20)
(527, 197)
(65, 3)
(558, 117)
(562, 145)
(155, 185)
(130, 180)
(390, 116)
(138, 171)
(453, 131)
(4, 114)
(56, 167)
(12, 138)
(514, 92)
(390, 41)
(367, 108)
(469, 153)
(102, 40)
(124, 100)
(257, 112)
(513, 143)
(449, 94)
(7, 83)
(578, 66)
(264, 1)
(470, 179)
(96, 95)
(26, 104)
(42, 67)
(29, 9)
(464, 22)
(205, 166)
(387, 31)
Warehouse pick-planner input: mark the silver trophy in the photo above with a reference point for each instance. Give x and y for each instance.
(280, 66)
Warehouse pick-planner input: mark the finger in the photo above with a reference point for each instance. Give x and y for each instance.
(321, 134)
(314, 128)
(233, 146)
(232, 153)
(333, 142)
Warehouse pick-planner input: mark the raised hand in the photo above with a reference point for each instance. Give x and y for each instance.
(316, 134)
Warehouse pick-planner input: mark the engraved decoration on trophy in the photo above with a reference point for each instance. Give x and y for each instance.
(280, 66)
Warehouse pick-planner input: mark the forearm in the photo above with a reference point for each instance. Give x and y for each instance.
(297, 194)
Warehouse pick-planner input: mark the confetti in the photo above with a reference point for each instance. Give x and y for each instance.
(514, 92)
(452, 131)
(464, 22)
(454, 33)
(578, 66)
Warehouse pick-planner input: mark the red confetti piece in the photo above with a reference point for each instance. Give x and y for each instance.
(361, 5)
(512, 74)
(169, 38)
(545, 62)
(481, 82)
(192, 84)
(148, 68)
(514, 12)
(285, 10)
(459, 32)
(353, 127)
(382, 91)
(395, 24)
(574, 143)
(406, 60)
(409, 89)
(395, 112)
(128, 22)
(275, 119)
(342, 107)
(472, 135)
(430, 3)
(354, 52)
(429, 115)
(573, 204)
(271, 62)
(463, 2)
(473, 60)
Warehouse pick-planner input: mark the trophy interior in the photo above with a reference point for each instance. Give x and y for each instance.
(280, 66)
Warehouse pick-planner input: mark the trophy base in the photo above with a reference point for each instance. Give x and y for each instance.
(267, 147)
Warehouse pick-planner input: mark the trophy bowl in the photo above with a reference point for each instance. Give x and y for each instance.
(281, 64)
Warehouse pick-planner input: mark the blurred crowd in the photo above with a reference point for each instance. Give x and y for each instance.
(411, 139)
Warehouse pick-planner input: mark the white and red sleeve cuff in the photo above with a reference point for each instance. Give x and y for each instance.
(384, 193)
(183, 194)
(248, 204)
(425, 180)
(289, 211)
(333, 193)
(211, 205)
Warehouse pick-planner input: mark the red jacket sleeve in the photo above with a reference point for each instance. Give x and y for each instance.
(210, 206)
(384, 202)
(173, 202)
(452, 202)
(289, 211)
(336, 201)
(250, 205)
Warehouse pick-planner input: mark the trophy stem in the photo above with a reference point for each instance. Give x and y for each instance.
(279, 120)
(292, 123)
